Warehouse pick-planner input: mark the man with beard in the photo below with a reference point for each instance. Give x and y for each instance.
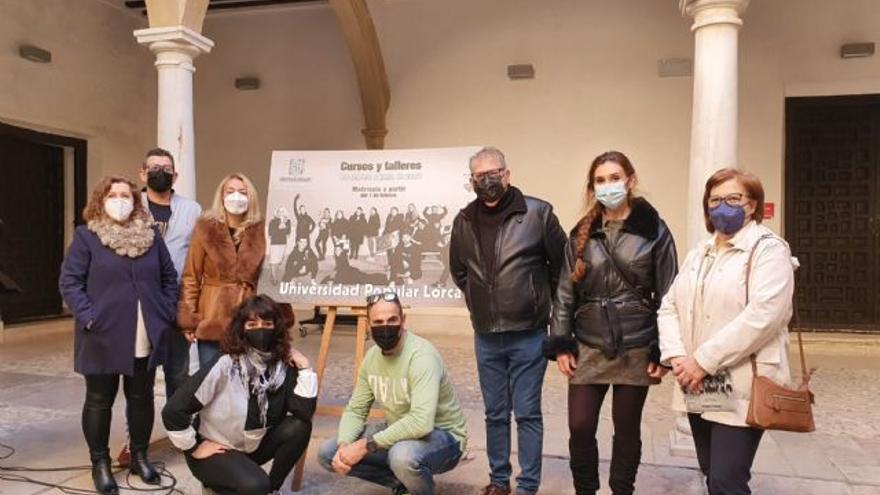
(424, 432)
(175, 216)
(505, 255)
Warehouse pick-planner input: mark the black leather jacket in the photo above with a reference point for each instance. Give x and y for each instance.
(529, 254)
(602, 310)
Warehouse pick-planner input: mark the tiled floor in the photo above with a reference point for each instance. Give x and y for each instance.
(41, 397)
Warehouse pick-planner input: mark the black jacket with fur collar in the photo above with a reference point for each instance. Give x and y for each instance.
(604, 310)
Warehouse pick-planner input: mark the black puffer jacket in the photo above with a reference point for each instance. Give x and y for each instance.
(601, 310)
(528, 256)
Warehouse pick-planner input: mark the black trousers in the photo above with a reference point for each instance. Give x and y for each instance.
(725, 454)
(237, 473)
(98, 408)
(584, 404)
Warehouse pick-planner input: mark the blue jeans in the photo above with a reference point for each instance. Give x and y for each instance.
(511, 368)
(408, 466)
(208, 349)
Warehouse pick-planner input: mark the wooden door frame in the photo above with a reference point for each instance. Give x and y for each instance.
(792, 103)
(80, 159)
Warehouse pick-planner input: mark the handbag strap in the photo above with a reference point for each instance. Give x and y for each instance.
(629, 285)
(795, 316)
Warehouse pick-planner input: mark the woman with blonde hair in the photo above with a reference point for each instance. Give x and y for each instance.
(620, 260)
(223, 264)
(726, 317)
(119, 281)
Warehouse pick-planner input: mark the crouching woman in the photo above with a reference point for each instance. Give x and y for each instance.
(253, 406)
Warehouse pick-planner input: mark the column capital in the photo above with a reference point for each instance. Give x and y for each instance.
(375, 138)
(709, 12)
(179, 39)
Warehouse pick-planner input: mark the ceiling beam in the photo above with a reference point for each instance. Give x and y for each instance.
(366, 54)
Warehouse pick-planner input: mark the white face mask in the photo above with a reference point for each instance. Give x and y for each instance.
(235, 203)
(118, 209)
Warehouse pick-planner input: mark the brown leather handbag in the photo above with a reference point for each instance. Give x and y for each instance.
(772, 406)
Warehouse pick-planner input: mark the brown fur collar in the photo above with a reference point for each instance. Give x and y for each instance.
(234, 266)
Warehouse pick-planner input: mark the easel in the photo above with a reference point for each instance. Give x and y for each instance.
(360, 347)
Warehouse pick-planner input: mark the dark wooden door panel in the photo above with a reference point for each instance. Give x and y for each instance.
(32, 243)
(833, 220)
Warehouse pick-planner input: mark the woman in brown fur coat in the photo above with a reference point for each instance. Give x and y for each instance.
(223, 264)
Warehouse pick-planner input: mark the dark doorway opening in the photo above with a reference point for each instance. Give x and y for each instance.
(833, 208)
(32, 211)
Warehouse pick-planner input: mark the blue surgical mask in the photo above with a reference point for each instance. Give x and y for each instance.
(727, 219)
(612, 195)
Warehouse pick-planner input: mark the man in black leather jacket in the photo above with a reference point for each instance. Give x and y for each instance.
(505, 255)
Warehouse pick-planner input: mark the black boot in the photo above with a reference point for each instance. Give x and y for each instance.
(142, 467)
(102, 476)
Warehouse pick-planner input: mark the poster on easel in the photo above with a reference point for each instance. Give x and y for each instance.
(341, 225)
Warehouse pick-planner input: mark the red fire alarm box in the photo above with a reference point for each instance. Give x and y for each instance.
(769, 210)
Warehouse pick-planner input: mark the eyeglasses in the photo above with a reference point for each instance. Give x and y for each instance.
(734, 199)
(163, 168)
(494, 174)
(382, 296)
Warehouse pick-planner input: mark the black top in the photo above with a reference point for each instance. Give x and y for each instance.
(161, 215)
(489, 220)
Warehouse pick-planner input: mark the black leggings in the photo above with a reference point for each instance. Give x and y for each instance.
(97, 410)
(237, 473)
(584, 404)
(725, 454)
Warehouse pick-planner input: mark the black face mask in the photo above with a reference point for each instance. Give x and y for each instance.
(386, 336)
(261, 339)
(489, 189)
(160, 180)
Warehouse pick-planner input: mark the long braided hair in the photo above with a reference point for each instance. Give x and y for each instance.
(594, 209)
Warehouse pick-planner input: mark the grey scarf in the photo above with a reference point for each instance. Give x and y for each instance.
(251, 367)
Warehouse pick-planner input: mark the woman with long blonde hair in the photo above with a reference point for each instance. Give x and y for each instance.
(620, 261)
(223, 264)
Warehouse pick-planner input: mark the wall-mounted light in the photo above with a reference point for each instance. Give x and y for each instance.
(675, 67)
(521, 71)
(34, 54)
(247, 83)
(856, 50)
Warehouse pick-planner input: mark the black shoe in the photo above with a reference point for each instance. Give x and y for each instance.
(102, 476)
(142, 467)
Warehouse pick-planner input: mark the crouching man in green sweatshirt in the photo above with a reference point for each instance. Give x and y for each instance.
(425, 431)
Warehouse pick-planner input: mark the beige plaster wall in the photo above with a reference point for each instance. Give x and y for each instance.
(100, 85)
(596, 86)
(308, 100)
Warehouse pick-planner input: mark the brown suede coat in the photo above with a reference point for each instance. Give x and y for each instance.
(216, 277)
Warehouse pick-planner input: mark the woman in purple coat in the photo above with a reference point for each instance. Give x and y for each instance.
(120, 283)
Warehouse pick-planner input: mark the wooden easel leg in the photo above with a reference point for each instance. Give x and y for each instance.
(296, 483)
(360, 342)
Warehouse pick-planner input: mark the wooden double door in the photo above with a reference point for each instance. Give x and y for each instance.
(833, 209)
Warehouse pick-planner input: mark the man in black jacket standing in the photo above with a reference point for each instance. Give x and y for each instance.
(505, 255)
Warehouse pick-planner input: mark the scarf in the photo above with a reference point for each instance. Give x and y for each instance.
(251, 367)
(131, 239)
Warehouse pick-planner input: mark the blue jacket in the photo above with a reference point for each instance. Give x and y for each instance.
(184, 213)
(101, 286)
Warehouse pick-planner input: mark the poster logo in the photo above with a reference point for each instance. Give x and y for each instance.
(297, 167)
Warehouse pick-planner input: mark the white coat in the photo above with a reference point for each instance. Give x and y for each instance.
(721, 331)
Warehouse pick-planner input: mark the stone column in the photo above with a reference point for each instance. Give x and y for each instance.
(715, 106)
(713, 126)
(175, 48)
